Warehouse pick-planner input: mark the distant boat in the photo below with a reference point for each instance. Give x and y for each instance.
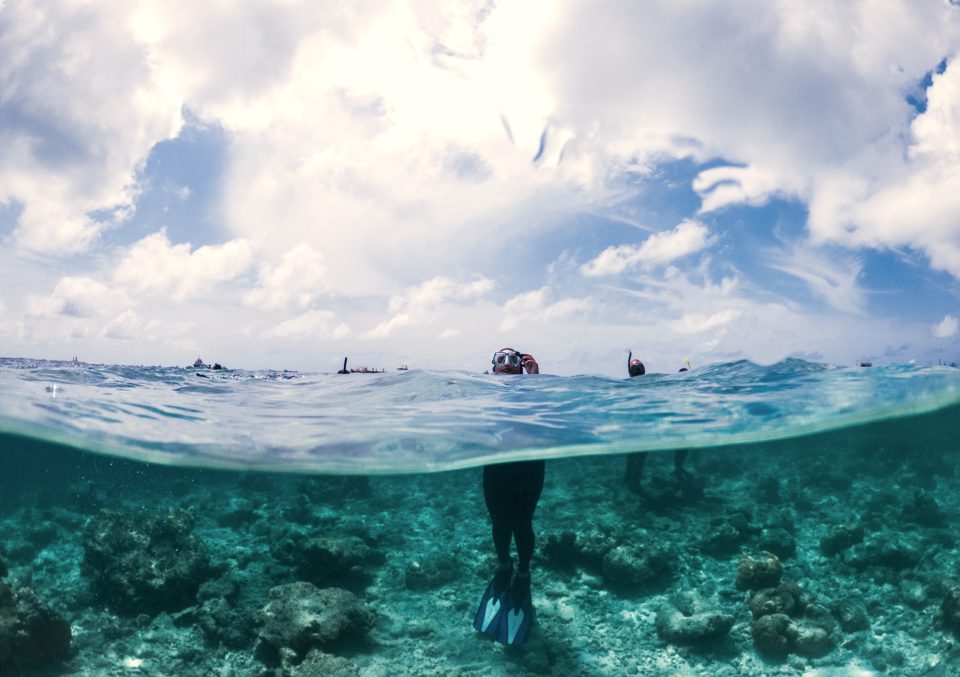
(403, 367)
(200, 364)
(361, 370)
(866, 363)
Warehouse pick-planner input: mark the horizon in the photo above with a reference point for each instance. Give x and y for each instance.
(380, 369)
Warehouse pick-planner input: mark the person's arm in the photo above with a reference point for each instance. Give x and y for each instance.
(529, 363)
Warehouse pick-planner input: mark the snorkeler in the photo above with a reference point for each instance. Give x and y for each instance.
(690, 486)
(511, 492)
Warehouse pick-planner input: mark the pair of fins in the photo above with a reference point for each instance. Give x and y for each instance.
(506, 609)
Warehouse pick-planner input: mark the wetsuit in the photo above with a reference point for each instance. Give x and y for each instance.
(511, 491)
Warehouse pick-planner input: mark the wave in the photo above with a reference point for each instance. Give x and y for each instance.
(423, 421)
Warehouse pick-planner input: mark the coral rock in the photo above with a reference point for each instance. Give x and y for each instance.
(301, 617)
(760, 571)
(144, 563)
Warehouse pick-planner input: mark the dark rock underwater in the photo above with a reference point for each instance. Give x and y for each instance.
(828, 554)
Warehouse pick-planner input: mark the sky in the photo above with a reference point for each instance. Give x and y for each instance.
(283, 184)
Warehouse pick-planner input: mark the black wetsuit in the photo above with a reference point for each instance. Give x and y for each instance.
(511, 491)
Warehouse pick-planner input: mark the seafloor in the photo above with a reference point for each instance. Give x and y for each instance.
(833, 554)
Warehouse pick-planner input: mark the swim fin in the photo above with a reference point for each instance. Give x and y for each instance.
(493, 603)
(517, 612)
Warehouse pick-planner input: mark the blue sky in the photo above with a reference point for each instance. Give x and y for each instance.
(422, 183)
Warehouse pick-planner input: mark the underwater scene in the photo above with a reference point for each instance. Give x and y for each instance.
(735, 519)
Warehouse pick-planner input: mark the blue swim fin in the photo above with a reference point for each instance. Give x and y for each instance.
(517, 613)
(493, 603)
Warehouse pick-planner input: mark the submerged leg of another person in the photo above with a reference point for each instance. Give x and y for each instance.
(634, 471)
(690, 485)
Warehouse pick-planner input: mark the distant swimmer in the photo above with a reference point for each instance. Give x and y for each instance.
(689, 485)
(511, 492)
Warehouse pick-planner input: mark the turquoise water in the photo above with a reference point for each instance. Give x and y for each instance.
(420, 421)
(367, 556)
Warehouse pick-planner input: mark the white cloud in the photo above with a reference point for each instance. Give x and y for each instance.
(914, 202)
(79, 297)
(314, 324)
(806, 100)
(419, 305)
(128, 326)
(659, 249)
(81, 109)
(294, 282)
(155, 265)
(694, 323)
(947, 327)
(534, 308)
(833, 278)
(722, 186)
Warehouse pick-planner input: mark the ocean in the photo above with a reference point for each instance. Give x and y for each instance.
(795, 518)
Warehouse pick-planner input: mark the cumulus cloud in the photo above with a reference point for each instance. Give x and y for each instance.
(79, 297)
(947, 327)
(419, 305)
(916, 201)
(315, 324)
(805, 101)
(128, 326)
(293, 283)
(695, 323)
(536, 307)
(687, 238)
(155, 265)
(81, 109)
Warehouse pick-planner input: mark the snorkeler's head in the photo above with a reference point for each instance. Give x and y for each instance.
(507, 361)
(635, 368)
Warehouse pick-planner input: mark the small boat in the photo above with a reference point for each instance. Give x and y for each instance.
(361, 370)
(403, 367)
(200, 364)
